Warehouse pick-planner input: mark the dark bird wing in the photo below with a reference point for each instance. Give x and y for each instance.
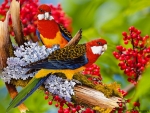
(70, 57)
(65, 33)
(38, 35)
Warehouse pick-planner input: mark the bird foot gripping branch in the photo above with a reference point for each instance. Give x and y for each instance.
(55, 64)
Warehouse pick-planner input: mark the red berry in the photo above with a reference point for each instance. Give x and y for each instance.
(74, 110)
(128, 37)
(139, 64)
(136, 104)
(50, 102)
(62, 103)
(96, 70)
(117, 56)
(56, 105)
(124, 33)
(120, 104)
(12, 33)
(138, 32)
(134, 35)
(146, 36)
(56, 98)
(66, 111)
(95, 73)
(78, 107)
(94, 66)
(142, 68)
(126, 42)
(131, 28)
(32, 29)
(46, 92)
(114, 53)
(119, 48)
(46, 97)
(129, 79)
(60, 111)
(89, 69)
(70, 104)
(128, 100)
(148, 50)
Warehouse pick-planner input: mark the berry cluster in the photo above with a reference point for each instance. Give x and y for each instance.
(3, 9)
(61, 104)
(93, 73)
(124, 93)
(28, 16)
(133, 60)
(122, 107)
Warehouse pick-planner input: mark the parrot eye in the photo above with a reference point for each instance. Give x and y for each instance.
(99, 43)
(41, 11)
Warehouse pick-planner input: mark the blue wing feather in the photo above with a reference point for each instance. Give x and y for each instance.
(38, 35)
(65, 36)
(61, 64)
(65, 33)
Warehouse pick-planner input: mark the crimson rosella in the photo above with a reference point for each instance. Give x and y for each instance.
(49, 32)
(67, 60)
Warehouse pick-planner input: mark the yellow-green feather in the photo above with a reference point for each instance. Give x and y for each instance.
(23, 93)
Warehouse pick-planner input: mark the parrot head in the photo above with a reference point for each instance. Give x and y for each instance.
(97, 46)
(95, 49)
(44, 12)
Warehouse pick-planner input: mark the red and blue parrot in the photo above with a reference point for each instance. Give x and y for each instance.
(67, 60)
(48, 31)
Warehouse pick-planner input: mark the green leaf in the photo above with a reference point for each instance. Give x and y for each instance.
(137, 5)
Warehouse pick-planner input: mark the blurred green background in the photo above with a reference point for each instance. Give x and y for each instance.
(98, 18)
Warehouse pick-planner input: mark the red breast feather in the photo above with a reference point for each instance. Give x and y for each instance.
(48, 28)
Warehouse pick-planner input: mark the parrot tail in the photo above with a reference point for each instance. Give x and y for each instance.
(33, 85)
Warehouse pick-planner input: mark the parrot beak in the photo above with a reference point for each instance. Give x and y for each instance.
(99, 49)
(46, 15)
(104, 48)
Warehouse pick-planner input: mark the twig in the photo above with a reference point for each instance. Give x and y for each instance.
(129, 87)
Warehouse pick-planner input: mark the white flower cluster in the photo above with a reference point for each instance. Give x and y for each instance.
(59, 86)
(25, 54)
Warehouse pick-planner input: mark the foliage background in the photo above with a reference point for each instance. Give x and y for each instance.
(98, 18)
